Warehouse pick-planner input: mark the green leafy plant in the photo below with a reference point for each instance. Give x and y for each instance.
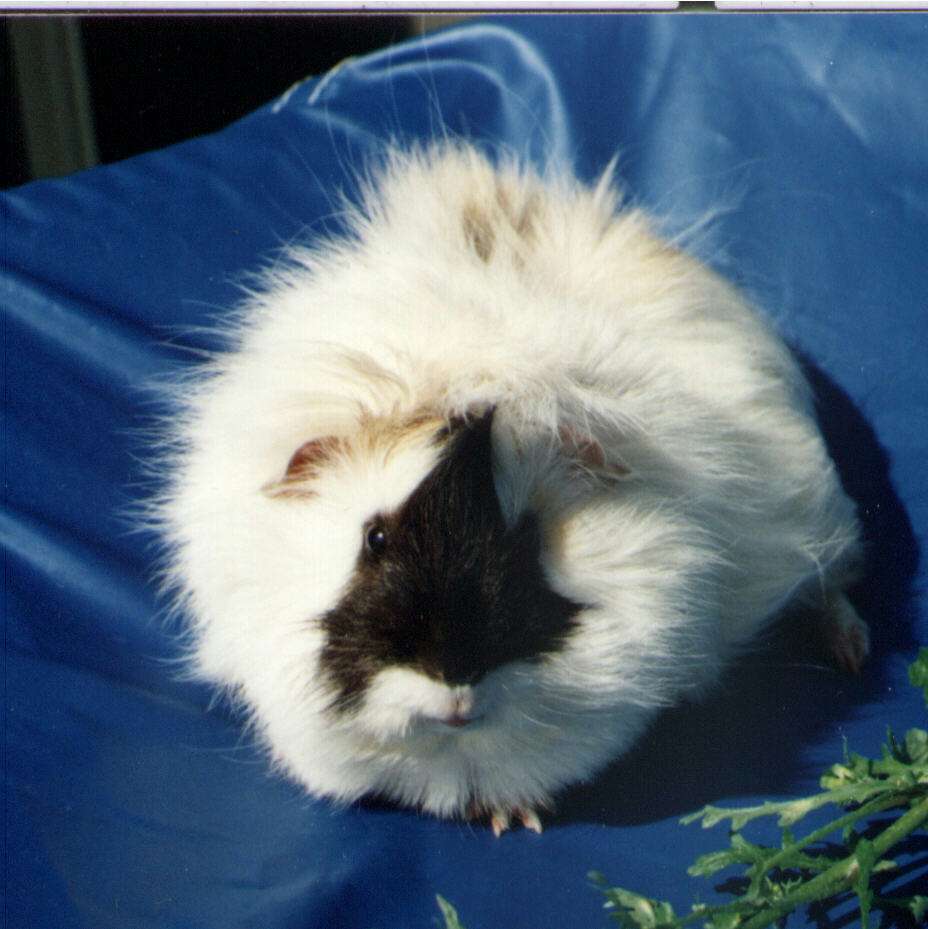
(450, 913)
(777, 880)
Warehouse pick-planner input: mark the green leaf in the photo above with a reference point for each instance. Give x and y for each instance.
(789, 811)
(794, 811)
(836, 776)
(713, 862)
(916, 745)
(918, 672)
(448, 911)
(649, 914)
(634, 911)
(919, 907)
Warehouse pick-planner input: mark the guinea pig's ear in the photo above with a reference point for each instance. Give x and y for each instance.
(305, 463)
(587, 454)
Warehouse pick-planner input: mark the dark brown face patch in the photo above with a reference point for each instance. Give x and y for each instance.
(442, 586)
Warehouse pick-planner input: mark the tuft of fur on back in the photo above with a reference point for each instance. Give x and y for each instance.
(708, 501)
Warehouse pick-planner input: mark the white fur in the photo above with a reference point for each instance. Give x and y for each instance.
(463, 285)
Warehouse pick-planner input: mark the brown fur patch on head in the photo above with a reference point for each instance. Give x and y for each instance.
(375, 435)
(522, 220)
(478, 231)
(387, 434)
(511, 220)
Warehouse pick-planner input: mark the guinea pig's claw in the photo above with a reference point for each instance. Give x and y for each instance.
(499, 822)
(531, 820)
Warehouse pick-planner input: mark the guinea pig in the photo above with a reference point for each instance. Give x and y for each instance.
(486, 481)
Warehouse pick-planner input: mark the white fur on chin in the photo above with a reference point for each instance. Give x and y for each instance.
(464, 285)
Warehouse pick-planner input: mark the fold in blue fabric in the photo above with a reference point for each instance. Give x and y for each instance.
(795, 152)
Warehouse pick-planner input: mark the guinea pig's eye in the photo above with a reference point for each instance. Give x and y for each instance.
(375, 538)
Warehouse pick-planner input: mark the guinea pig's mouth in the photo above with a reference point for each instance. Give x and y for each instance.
(450, 722)
(457, 721)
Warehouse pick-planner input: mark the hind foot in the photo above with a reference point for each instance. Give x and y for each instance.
(847, 636)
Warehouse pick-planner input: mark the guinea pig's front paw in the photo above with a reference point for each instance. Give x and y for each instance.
(502, 818)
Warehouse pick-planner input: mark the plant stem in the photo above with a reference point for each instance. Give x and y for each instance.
(840, 876)
(877, 805)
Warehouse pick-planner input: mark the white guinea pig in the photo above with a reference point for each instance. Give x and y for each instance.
(486, 482)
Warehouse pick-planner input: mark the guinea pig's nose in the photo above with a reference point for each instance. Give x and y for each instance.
(460, 712)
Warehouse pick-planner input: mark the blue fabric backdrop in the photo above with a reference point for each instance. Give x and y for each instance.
(131, 801)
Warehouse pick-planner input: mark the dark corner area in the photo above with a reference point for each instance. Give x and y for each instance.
(85, 90)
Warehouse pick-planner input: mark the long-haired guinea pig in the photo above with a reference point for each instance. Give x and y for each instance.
(484, 483)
